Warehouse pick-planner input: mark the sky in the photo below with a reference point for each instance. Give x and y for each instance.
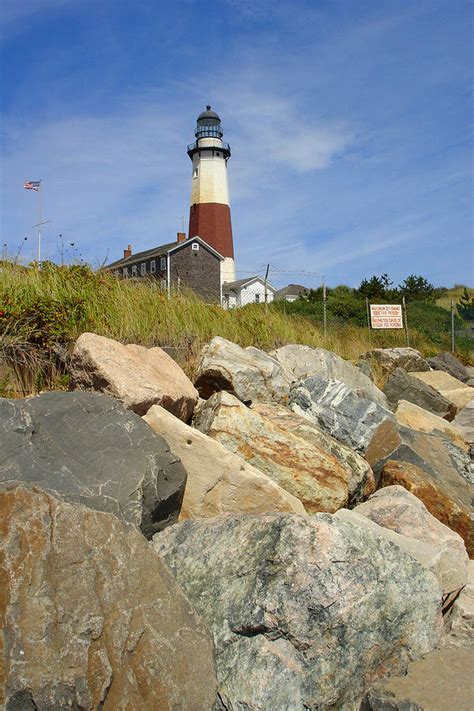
(349, 122)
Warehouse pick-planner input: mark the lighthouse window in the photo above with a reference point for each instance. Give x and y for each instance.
(196, 172)
(218, 154)
(163, 264)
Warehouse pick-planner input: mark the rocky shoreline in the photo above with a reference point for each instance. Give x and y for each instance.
(280, 535)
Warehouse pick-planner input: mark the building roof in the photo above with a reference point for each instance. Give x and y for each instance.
(292, 290)
(160, 251)
(236, 285)
(208, 116)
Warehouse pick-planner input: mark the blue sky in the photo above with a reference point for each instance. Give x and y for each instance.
(349, 122)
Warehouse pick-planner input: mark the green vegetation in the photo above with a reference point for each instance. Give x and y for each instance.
(43, 312)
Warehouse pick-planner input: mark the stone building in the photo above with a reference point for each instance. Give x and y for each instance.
(186, 263)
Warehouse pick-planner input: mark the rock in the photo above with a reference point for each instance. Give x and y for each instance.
(218, 481)
(450, 364)
(459, 622)
(438, 682)
(338, 411)
(305, 362)
(406, 521)
(88, 449)
(417, 418)
(299, 466)
(308, 612)
(139, 377)
(401, 386)
(459, 394)
(387, 360)
(464, 421)
(92, 619)
(361, 481)
(247, 373)
(366, 368)
(446, 495)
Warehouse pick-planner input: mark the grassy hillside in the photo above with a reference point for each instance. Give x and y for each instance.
(455, 293)
(43, 312)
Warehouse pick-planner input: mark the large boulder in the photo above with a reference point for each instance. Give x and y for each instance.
(361, 481)
(248, 373)
(402, 518)
(88, 448)
(457, 393)
(459, 622)
(299, 466)
(137, 376)
(385, 360)
(402, 386)
(438, 682)
(464, 421)
(304, 362)
(218, 482)
(450, 364)
(91, 618)
(336, 409)
(446, 495)
(306, 611)
(417, 418)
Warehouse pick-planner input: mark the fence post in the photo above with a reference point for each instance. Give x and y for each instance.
(368, 314)
(453, 334)
(405, 321)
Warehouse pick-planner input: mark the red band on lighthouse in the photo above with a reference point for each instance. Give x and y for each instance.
(211, 221)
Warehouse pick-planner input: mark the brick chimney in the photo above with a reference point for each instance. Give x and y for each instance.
(181, 236)
(127, 252)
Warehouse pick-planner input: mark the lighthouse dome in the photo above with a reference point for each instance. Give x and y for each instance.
(208, 117)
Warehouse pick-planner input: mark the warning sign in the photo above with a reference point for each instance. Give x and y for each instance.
(386, 316)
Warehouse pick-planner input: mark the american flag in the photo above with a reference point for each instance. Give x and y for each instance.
(32, 185)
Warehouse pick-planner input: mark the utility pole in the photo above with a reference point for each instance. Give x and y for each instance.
(265, 284)
(453, 334)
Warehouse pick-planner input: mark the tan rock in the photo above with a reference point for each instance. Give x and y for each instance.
(360, 475)
(446, 497)
(464, 420)
(417, 418)
(451, 388)
(139, 377)
(218, 482)
(406, 521)
(91, 618)
(307, 471)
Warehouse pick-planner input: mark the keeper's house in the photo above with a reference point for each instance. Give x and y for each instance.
(189, 263)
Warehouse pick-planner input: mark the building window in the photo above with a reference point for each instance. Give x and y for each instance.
(134, 270)
(163, 261)
(153, 266)
(195, 247)
(257, 298)
(125, 271)
(143, 269)
(163, 284)
(116, 273)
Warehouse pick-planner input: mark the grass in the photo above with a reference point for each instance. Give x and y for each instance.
(455, 293)
(43, 312)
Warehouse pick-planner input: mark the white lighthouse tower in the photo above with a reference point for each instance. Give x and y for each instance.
(209, 216)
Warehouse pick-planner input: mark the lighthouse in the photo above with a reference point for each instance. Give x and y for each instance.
(209, 215)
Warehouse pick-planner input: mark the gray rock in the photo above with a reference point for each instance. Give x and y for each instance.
(338, 410)
(306, 612)
(459, 622)
(464, 420)
(401, 386)
(91, 618)
(450, 364)
(248, 373)
(366, 368)
(441, 681)
(305, 362)
(402, 518)
(387, 359)
(88, 448)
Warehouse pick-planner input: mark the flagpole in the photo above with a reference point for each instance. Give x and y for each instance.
(40, 202)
